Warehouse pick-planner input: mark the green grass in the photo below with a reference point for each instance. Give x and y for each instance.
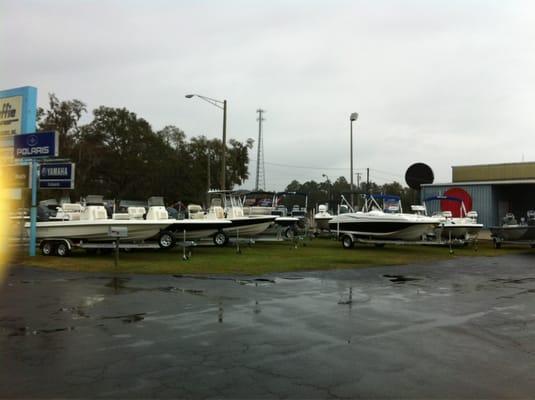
(260, 258)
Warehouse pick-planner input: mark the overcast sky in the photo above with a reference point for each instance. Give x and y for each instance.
(441, 82)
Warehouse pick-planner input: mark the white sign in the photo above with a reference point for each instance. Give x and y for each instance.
(10, 111)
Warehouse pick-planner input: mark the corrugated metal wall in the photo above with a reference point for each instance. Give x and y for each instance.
(493, 172)
(483, 200)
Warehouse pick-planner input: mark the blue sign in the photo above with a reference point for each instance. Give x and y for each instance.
(56, 176)
(18, 111)
(36, 145)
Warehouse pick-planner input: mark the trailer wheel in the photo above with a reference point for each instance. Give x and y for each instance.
(47, 248)
(63, 250)
(166, 240)
(220, 238)
(347, 242)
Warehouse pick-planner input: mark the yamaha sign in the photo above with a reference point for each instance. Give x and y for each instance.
(56, 176)
(36, 145)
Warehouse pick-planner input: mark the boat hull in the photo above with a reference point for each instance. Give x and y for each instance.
(197, 229)
(459, 231)
(249, 226)
(514, 232)
(369, 228)
(98, 230)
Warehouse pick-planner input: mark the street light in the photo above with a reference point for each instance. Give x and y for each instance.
(221, 104)
(329, 188)
(352, 117)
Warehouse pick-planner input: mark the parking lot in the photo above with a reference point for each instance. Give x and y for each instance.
(460, 328)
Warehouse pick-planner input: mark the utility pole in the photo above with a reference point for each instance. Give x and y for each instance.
(208, 181)
(358, 180)
(260, 168)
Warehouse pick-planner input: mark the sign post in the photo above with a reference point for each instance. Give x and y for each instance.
(34, 146)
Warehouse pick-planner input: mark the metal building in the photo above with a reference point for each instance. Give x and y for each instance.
(493, 189)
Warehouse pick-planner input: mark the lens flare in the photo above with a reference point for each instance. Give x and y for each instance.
(5, 222)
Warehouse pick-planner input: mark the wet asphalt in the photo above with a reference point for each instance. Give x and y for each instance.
(462, 328)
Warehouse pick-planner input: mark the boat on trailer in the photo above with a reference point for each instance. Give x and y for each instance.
(381, 219)
(512, 231)
(465, 227)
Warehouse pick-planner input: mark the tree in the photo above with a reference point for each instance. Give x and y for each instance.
(120, 156)
(63, 117)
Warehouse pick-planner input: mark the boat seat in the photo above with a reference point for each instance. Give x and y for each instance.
(157, 212)
(136, 212)
(218, 212)
(92, 213)
(195, 211)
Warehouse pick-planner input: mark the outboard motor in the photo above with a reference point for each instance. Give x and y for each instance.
(509, 219)
(43, 213)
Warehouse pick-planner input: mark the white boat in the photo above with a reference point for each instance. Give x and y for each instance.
(226, 206)
(183, 229)
(91, 223)
(265, 203)
(322, 218)
(464, 227)
(386, 222)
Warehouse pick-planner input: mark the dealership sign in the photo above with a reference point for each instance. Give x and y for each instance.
(36, 145)
(18, 112)
(10, 115)
(56, 176)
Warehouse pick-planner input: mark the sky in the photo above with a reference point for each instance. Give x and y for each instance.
(441, 82)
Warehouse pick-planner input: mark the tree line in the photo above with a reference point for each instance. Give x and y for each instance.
(120, 156)
(329, 192)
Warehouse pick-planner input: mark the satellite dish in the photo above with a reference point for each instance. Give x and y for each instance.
(419, 174)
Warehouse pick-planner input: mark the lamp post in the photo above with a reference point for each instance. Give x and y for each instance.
(352, 117)
(329, 189)
(221, 104)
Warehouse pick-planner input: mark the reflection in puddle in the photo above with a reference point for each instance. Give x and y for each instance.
(220, 313)
(129, 318)
(27, 331)
(400, 278)
(349, 300)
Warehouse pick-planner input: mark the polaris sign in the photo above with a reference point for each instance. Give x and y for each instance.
(36, 145)
(56, 176)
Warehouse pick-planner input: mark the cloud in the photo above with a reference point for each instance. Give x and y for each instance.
(441, 82)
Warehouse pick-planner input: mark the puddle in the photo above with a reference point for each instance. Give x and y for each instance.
(128, 318)
(210, 278)
(176, 289)
(27, 331)
(354, 296)
(77, 312)
(256, 281)
(516, 281)
(400, 278)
